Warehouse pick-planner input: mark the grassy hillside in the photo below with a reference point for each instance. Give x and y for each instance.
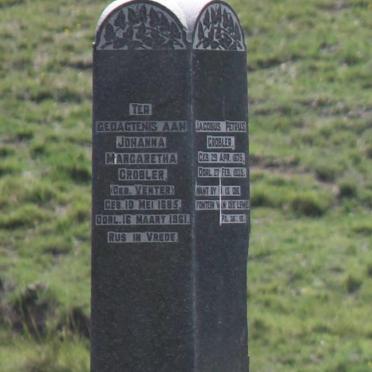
(310, 275)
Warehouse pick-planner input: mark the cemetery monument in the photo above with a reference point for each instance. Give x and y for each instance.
(170, 220)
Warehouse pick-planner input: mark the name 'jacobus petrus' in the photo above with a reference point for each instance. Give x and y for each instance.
(170, 218)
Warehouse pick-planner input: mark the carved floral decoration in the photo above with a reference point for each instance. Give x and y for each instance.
(219, 30)
(142, 27)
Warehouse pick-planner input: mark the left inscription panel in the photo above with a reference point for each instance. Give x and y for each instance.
(142, 190)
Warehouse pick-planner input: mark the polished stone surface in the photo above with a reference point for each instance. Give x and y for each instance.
(170, 220)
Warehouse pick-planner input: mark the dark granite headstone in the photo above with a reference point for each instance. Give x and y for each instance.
(170, 189)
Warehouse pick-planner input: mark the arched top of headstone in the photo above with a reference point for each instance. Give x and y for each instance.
(141, 25)
(218, 29)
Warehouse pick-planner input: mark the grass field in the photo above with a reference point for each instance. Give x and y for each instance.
(310, 274)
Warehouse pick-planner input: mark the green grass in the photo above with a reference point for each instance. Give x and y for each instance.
(310, 274)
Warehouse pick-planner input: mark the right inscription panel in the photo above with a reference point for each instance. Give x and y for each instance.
(220, 124)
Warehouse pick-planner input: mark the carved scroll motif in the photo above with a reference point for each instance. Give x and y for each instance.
(219, 29)
(142, 27)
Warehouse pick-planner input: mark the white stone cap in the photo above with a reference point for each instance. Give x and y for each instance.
(171, 5)
(192, 10)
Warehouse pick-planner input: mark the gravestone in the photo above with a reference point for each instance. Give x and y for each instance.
(170, 212)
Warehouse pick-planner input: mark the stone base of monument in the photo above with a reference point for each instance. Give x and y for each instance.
(170, 221)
